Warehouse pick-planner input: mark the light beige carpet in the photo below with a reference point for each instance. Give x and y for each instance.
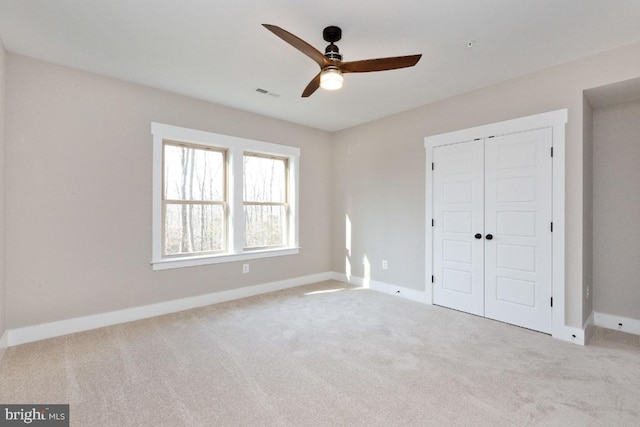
(327, 354)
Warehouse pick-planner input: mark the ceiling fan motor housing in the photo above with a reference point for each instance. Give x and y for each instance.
(332, 53)
(332, 34)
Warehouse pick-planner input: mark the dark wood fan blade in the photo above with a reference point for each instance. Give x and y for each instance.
(312, 86)
(299, 44)
(380, 64)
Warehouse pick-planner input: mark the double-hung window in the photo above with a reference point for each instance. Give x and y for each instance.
(219, 198)
(265, 201)
(194, 200)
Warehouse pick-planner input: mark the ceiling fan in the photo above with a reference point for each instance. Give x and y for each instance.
(331, 65)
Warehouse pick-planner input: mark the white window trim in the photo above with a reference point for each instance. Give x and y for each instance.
(236, 147)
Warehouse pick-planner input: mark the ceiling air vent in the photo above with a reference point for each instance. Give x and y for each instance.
(266, 92)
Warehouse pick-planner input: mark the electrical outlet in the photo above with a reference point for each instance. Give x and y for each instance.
(385, 264)
(245, 268)
(588, 292)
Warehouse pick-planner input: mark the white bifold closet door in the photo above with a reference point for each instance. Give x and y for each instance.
(492, 228)
(458, 200)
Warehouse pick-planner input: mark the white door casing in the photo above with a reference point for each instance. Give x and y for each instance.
(555, 122)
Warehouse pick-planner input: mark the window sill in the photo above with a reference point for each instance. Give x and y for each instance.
(169, 263)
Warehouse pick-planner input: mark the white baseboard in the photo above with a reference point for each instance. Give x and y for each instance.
(569, 334)
(79, 324)
(63, 327)
(619, 323)
(386, 288)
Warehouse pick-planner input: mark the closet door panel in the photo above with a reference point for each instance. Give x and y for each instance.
(458, 181)
(518, 215)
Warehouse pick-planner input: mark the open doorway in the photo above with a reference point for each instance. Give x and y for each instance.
(614, 136)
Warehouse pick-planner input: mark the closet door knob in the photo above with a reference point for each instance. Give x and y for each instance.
(478, 236)
(489, 236)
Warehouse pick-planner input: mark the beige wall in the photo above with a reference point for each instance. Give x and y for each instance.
(616, 227)
(379, 168)
(79, 194)
(78, 186)
(3, 62)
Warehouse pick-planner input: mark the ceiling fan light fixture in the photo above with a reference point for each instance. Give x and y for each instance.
(331, 78)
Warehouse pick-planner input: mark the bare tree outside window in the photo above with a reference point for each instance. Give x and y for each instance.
(194, 199)
(265, 201)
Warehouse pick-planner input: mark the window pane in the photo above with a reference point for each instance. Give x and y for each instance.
(193, 174)
(265, 179)
(265, 226)
(193, 229)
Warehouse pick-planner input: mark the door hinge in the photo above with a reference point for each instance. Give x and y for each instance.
(551, 301)
(552, 226)
(433, 279)
(433, 166)
(433, 222)
(551, 151)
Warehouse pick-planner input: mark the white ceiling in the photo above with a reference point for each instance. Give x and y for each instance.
(218, 51)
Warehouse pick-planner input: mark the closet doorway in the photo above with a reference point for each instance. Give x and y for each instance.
(490, 205)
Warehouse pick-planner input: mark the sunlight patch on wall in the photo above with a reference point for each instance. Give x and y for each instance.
(347, 244)
(347, 234)
(366, 282)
